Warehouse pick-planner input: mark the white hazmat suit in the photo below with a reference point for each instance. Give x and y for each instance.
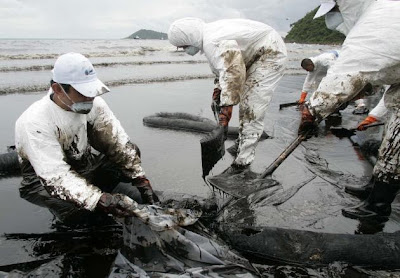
(248, 60)
(321, 63)
(380, 111)
(52, 140)
(370, 54)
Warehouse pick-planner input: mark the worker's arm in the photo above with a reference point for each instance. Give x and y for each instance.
(38, 144)
(106, 135)
(307, 85)
(229, 65)
(375, 115)
(380, 110)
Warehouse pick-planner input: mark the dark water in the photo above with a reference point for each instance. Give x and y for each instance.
(171, 158)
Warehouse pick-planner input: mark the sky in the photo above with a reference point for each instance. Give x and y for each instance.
(115, 19)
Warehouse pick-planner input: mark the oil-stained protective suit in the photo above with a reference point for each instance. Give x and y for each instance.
(370, 54)
(60, 152)
(248, 60)
(321, 63)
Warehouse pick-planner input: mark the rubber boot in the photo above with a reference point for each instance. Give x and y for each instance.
(235, 169)
(378, 203)
(360, 192)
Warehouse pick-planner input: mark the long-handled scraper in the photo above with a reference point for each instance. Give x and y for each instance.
(248, 182)
(344, 132)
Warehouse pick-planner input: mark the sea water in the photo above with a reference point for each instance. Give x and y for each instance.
(145, 77)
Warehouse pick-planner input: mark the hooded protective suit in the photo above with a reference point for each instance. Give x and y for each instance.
(370, 54)
(248, 59)
(57, 146)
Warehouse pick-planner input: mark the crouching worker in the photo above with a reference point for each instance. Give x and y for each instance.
(76, 158)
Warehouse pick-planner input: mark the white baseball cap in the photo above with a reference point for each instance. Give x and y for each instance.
(76, 70)
(326, 6)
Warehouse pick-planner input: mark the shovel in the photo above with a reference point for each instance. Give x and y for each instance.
(212, 149)
(271, 168)
(344, 132)
(212, 145)
(249, 182)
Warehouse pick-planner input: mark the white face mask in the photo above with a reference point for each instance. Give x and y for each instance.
(333, 20)
(82, 107)
(192, 50)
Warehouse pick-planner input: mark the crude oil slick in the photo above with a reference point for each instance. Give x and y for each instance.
(147, 77)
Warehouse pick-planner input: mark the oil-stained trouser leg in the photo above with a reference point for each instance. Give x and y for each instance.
(262, 78)
(387, 168)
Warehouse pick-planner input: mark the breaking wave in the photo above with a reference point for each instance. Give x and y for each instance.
(102, 64)
(40, 88)
(140, 51)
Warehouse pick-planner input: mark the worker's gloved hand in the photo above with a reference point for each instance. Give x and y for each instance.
(368, 120)
(145, 189)
(216, 100)
(224, 117)
(117, 204)
(302, 97)
(308, 125)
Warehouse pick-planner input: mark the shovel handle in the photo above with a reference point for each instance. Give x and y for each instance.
(368, 126)
(283, 105)
(271, 168)
(373, 124)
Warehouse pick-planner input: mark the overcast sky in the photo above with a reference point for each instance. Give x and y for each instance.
(114, 19)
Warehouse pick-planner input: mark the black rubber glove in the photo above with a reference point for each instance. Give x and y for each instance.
(116, 204)
(145, 189)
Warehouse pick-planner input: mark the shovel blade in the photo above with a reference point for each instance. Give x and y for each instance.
(240, 185)
(342, 132)
(212, 149)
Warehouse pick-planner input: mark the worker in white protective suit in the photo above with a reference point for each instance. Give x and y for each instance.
(247, 58)
(76, 158)
(370, 54)
(316, 68)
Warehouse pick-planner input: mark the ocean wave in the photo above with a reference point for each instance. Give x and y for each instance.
(40, 88)
(102, 64)
(140, 51)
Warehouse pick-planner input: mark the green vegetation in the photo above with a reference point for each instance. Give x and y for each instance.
(148, 35)
(309, 30)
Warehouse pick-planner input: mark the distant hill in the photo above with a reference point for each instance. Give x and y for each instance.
(148, 35)
(309, 30)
